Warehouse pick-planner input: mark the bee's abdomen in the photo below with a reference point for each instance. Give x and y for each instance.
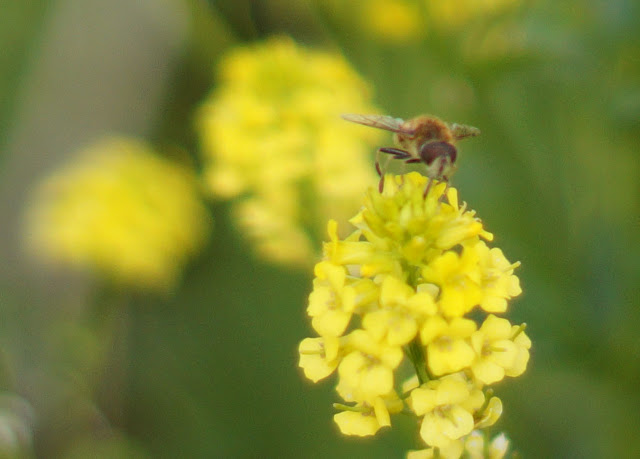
(431, 128)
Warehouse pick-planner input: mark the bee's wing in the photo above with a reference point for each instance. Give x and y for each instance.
(388, 123)
(461, 131)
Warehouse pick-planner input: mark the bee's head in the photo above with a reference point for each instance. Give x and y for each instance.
(431, 151)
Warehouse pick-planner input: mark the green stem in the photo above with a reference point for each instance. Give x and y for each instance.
(488, 394)
(415, 353)
(520, 329)
(343, 407)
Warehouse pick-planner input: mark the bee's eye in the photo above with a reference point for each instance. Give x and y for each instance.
(432, 150)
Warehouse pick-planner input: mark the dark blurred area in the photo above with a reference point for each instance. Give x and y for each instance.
(211, 369)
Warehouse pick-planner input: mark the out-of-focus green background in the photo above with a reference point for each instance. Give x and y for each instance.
(211, 371)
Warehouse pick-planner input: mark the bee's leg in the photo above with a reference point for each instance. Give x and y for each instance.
(381, 175)
(396, 153)
(427, 188)
(379, 171)
(444, 193)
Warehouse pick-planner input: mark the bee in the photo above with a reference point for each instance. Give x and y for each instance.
(423, 139)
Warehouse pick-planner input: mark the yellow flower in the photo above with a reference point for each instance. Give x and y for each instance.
(523, 344)
(274, 230)
(495, 350)
(490, 414)
(366, 371)
(403, 232)
(401, 285)
(458, 277)
(331, 303)
(498, 446)
(448, 349)
(122, 211)
(335, 297)
(272, 136)
(319, 357)
(402, 310)
(357, 423)
(497, 281)
(366, 419)
(447, 405)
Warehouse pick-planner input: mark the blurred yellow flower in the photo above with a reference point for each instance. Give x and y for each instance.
(455, 13)
(119, 210)
(453, 450)
(475, 446)
(401, 284)
(395, 21)
(272, 136)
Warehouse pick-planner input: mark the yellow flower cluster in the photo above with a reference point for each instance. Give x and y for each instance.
(402, 22)
(272, 135)
(456, 13)
(403, 284)
(120, 210)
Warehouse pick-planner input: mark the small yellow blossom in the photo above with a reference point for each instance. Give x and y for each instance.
(494, 349)
(272, 138)
(119, 210)
(497, 281)
(366, 371)
(498, 446)
(447, 405)
(361, 424)
(401, 312)
(458, 277)
(366, 419)
(490, 414)
(335, 297)
(523, 344)
(319, 357)
(448, 348)
(331, 302)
